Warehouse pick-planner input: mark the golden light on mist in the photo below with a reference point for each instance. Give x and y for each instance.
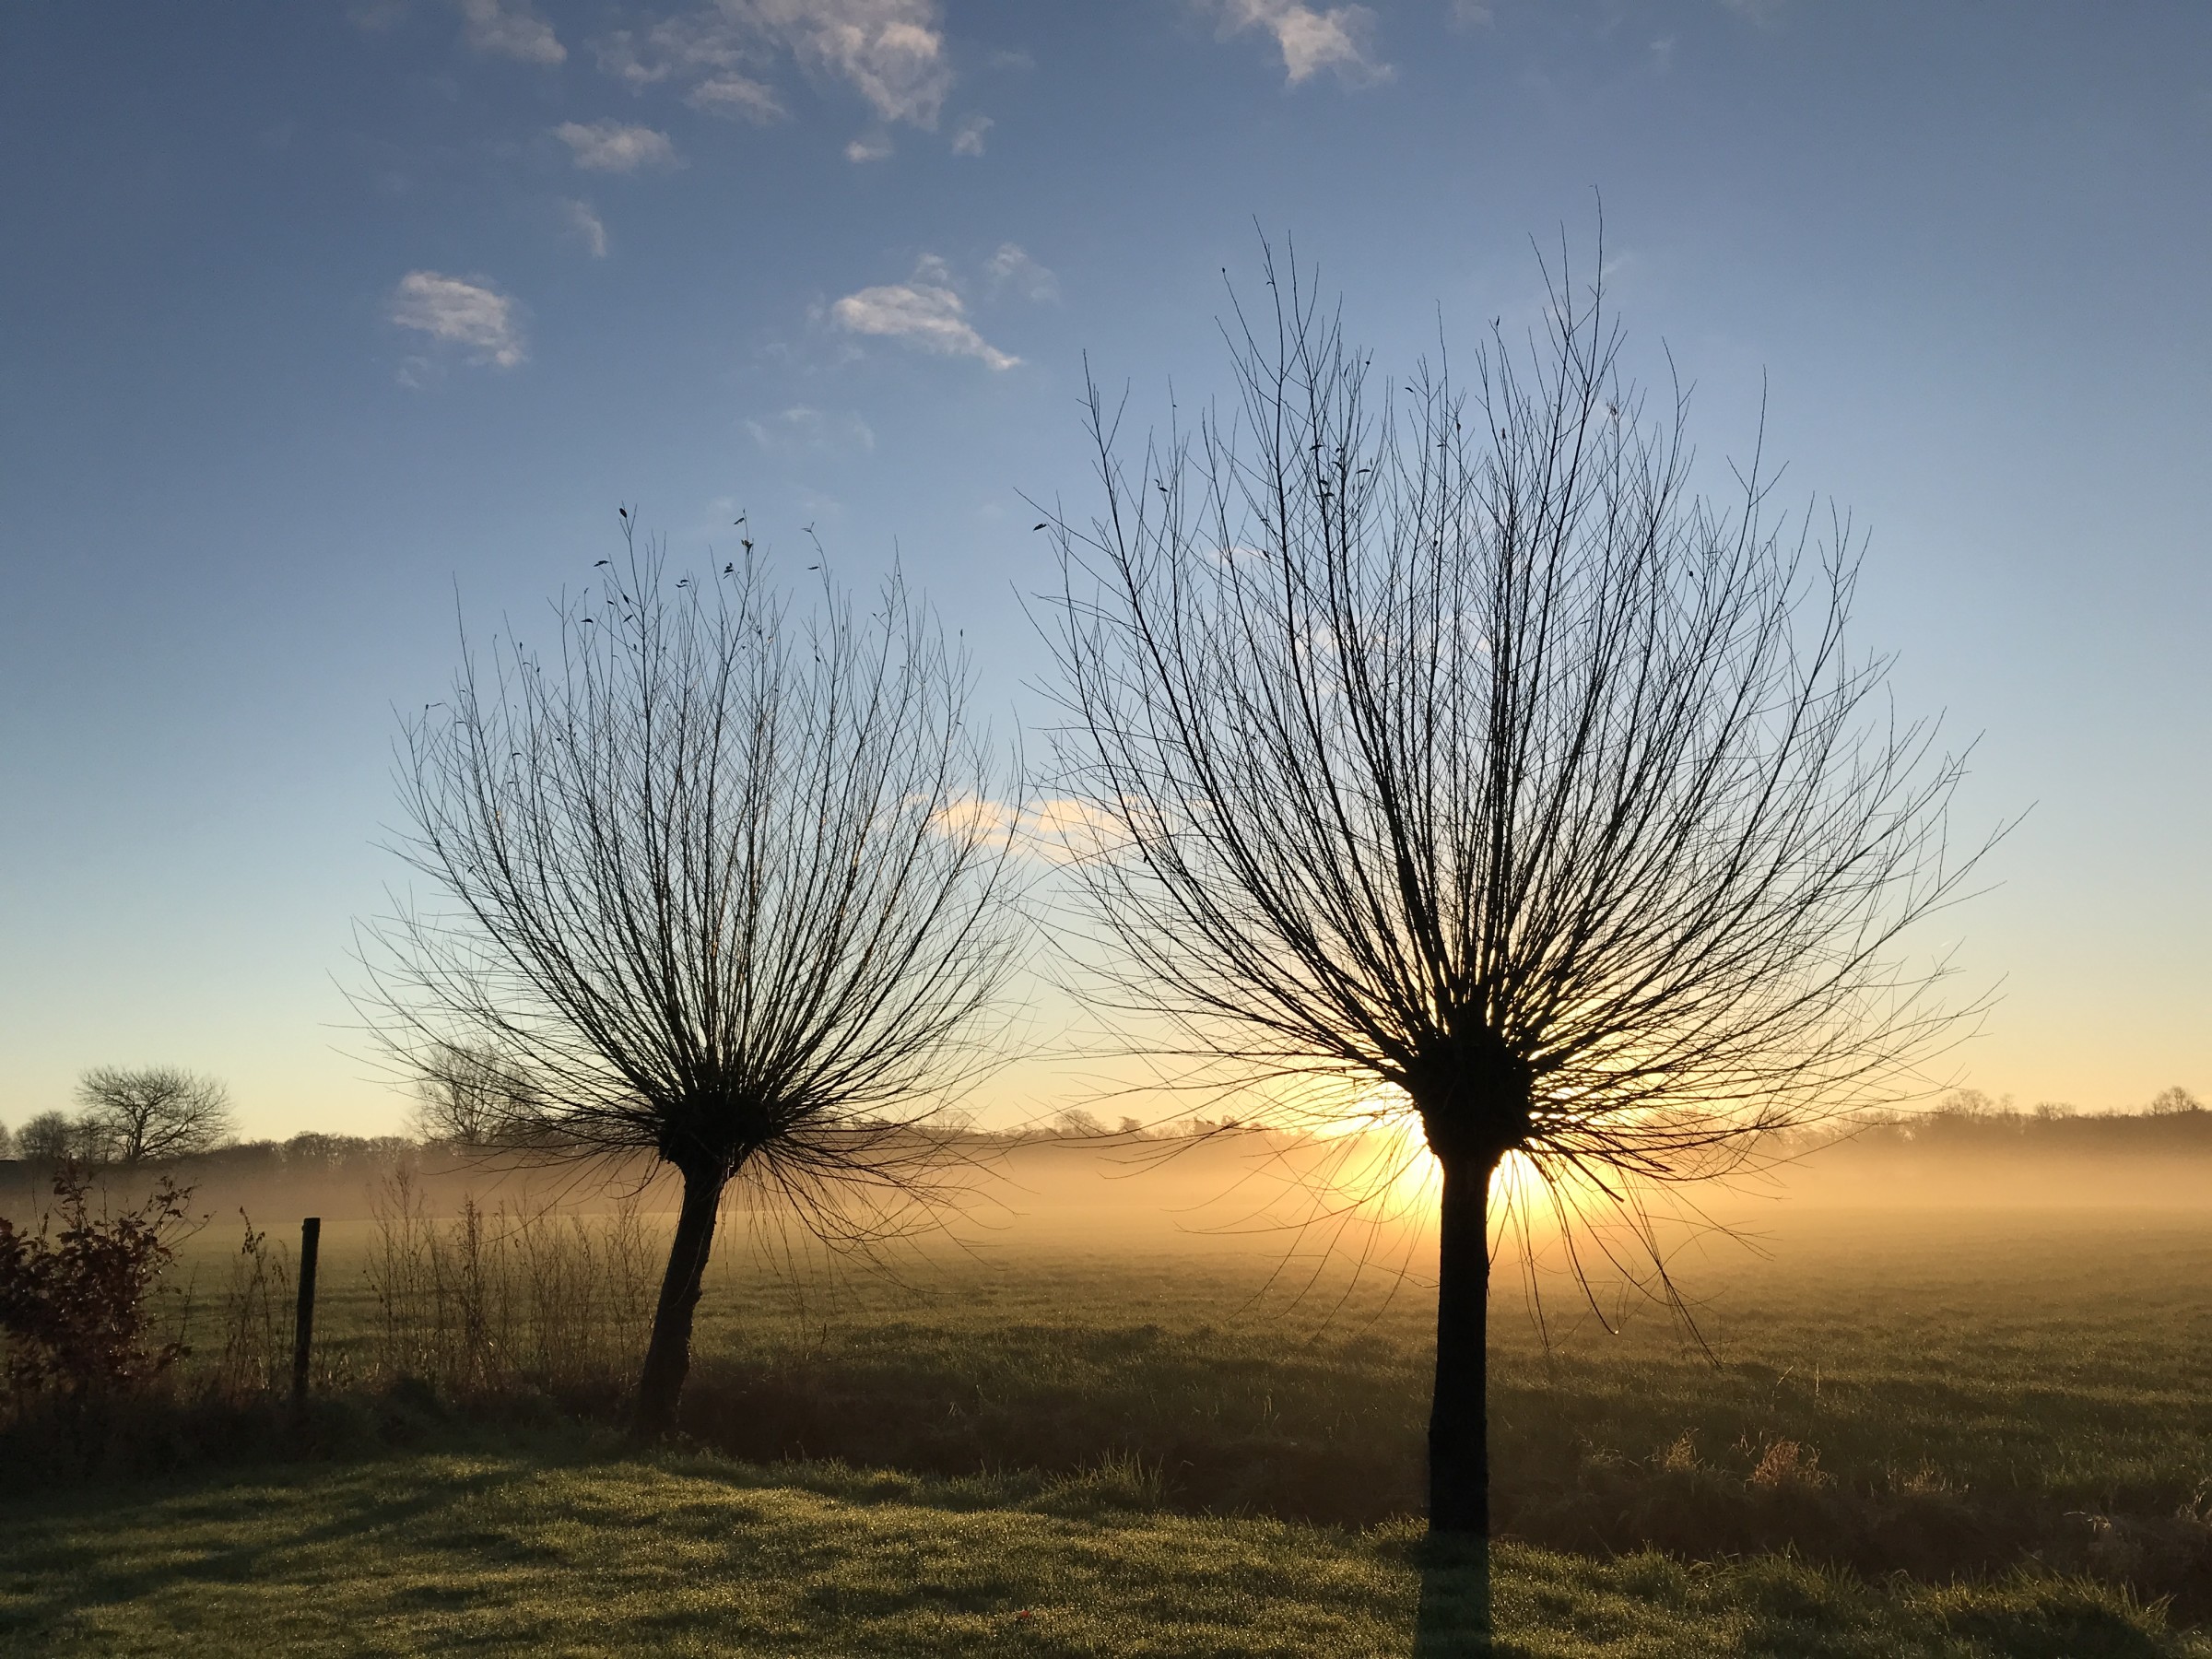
(1379, 1163)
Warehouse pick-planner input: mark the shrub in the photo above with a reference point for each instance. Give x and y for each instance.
(74, 1306)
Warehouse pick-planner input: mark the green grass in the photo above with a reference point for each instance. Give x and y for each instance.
(559, 1548)
(1987, 1433)
(2054, 1360)
(1941, 1398)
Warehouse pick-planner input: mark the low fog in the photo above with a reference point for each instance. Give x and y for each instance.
(1243, 1192)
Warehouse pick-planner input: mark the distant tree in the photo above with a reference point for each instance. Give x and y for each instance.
(135, 1114)
(1975, 1103)
(49, 1137)
(7, 1142)
(315, 1151)
(720, 887)
(1453, 758)
(467, 1095)
(311, 1150)
(2169, 1102)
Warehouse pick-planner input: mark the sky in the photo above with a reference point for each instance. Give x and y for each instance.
(332, 329)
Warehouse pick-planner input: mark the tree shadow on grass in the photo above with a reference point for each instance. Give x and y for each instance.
(92, 1578)
(1782, 1607)
(2059, 1627)
(1453, 1622)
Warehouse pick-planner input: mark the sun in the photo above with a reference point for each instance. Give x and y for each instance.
(1377, 1160)
(1382, 1160)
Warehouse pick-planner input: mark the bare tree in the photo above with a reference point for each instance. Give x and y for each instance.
(136, 1114)
(47, 1137)
(1451, 758)
(716, 887)
(469, 1094)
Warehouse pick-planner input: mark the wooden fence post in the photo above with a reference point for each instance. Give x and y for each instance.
(304, 1323)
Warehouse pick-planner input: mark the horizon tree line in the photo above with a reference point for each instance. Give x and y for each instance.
(54, 1137)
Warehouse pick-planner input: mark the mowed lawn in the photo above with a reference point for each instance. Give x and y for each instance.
(566, 1547)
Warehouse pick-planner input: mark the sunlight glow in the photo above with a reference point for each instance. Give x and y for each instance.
(1382, 1160)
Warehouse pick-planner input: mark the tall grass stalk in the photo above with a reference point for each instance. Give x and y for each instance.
(257, 1313)
(513, 1297)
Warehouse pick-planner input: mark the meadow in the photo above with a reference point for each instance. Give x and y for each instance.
(1953, 1422)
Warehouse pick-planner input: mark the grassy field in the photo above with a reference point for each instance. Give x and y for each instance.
(1904, 1431)
(559, 1550)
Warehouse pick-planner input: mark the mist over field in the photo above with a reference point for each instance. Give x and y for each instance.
(1255, 1190)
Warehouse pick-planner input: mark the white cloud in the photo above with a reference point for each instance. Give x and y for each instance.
(737, 96)
(923, 311)
(709, 42)
(968, 137)
(588, 225)
(869, 146)
(509, 29)
(891, 51)
(1060, 831)
(638, 65)
(474, 316)
(1010, 267)
(609, 147)
(1311, 41)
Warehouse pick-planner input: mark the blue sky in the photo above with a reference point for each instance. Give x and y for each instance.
(326, 325)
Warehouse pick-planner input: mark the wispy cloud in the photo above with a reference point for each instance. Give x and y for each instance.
(609, 147)
(924, 311)
(694, 43)
(1766, 14)
(802, 429)
(737, 96)
(870, 147)
(586, 223)
(1337, 40)
(510, 29)
(891, 52)
(471, 316)
(968, 137)
(1012, 269)
(1059, 831)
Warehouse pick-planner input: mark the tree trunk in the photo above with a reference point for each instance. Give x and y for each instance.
(1459, 1451)
(668, 1355)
